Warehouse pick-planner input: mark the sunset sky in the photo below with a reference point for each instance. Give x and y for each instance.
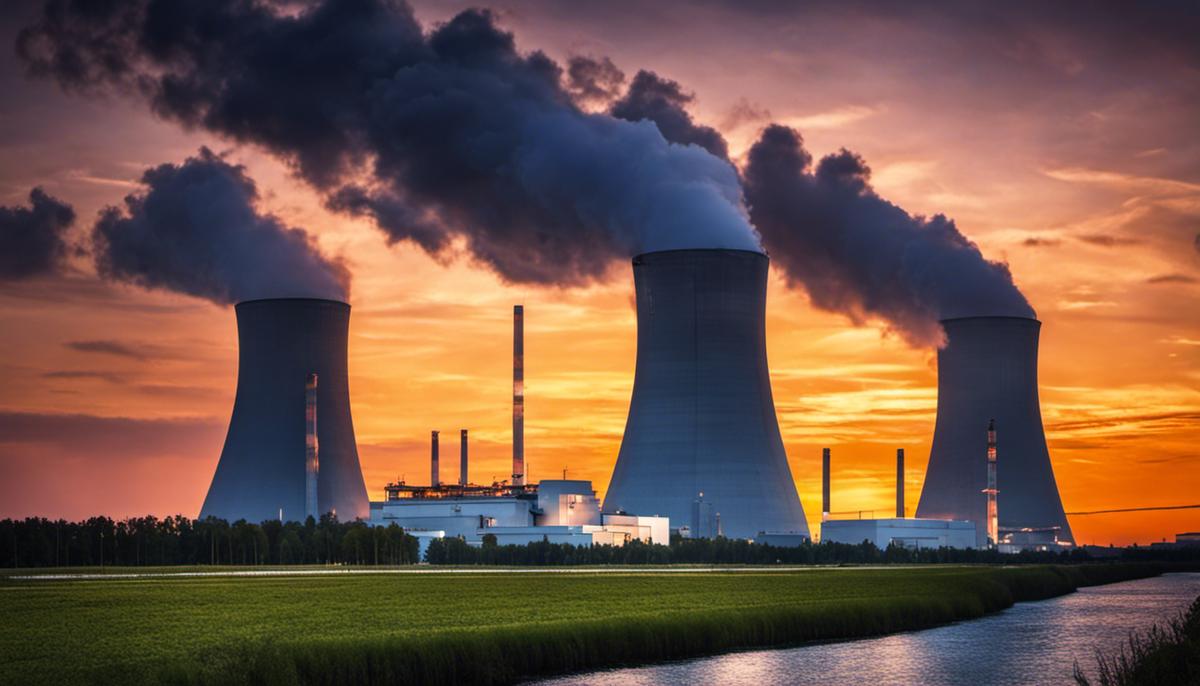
(1062, 141)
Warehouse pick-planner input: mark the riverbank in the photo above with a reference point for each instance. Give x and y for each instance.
(486, 629)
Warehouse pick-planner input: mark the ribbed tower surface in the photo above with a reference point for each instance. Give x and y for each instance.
(262, 466)
(702, 419)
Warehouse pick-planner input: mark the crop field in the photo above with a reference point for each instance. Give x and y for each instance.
(471, 628)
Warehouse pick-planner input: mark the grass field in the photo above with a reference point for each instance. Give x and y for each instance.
(472, 628)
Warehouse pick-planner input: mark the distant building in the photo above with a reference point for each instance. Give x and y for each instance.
(905, 532)
(555, 510)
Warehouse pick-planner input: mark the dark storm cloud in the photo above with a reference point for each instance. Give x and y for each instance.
(195, 230)
(856, 253)
(455, 131)
(664, 102)
(32, 238)
(594, 80)
(106, 348)
(103, 438)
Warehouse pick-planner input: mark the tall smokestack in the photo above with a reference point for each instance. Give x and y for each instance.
(282, 343)
(518, 475)
(435, 478)
(312, 463)
(993, 518)
(701, 418)
(462, 457)
(825, 484)
(988, 369)
(900, 483)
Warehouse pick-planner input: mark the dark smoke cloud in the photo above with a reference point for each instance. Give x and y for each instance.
(32, 238)
(664, 102)
(856, 253)
(852, 251)
(594, 80)
(450, 135)
(194, 230)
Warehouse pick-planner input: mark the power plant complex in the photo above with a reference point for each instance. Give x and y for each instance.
(702, 453)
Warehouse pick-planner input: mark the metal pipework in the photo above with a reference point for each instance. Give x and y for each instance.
(993, 519)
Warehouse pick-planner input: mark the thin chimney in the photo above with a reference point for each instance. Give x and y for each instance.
(518, 475)
(900, 483)
(435, 478)
(824, 484)
(462, 458)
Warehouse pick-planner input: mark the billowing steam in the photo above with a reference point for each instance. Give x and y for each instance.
(852, 251)
(450, 135)
(856, 253)
(194, 230)
(32, 238)
(454, 137)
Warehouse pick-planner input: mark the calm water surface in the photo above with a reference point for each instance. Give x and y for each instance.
(1031, 643)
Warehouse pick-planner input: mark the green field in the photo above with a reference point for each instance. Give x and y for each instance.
(472, 628)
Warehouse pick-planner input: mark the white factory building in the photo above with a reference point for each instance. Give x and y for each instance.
(905, 532)
(555, 510)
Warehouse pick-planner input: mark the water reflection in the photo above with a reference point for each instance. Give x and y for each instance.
(1032, 643)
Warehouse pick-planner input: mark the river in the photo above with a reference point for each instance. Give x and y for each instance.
(1030, 643)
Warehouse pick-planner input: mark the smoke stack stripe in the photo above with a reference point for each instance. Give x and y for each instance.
(518, 408)
(462, 458)
(312, 464)
(900, 483)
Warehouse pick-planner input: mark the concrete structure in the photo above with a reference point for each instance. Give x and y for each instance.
(702, 419)
(567, 503)
(462, 458)
(263, 467)
(644, 529)
(518, 403)
(900, 483)
(583, 534)
(826, 465)
(988, 370)
(910, 533)
(435, 460)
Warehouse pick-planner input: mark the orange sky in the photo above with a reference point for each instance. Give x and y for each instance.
(1100, 171)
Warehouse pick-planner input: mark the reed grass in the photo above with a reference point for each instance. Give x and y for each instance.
(477, 629)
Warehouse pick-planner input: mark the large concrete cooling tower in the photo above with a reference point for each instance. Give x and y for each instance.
(988, 370)
(263, 468)
(702, 443)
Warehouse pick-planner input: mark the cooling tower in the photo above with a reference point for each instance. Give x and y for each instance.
(988, 370)
(701, 421)
(262, 470)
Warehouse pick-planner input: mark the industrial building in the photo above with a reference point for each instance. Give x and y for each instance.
(986, 371)
(908, 532)
(702, 444)
(290, 451)
(515, 513)
(905, 532)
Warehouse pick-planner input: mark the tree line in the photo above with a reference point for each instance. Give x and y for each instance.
(455, 551)
(149, 541)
